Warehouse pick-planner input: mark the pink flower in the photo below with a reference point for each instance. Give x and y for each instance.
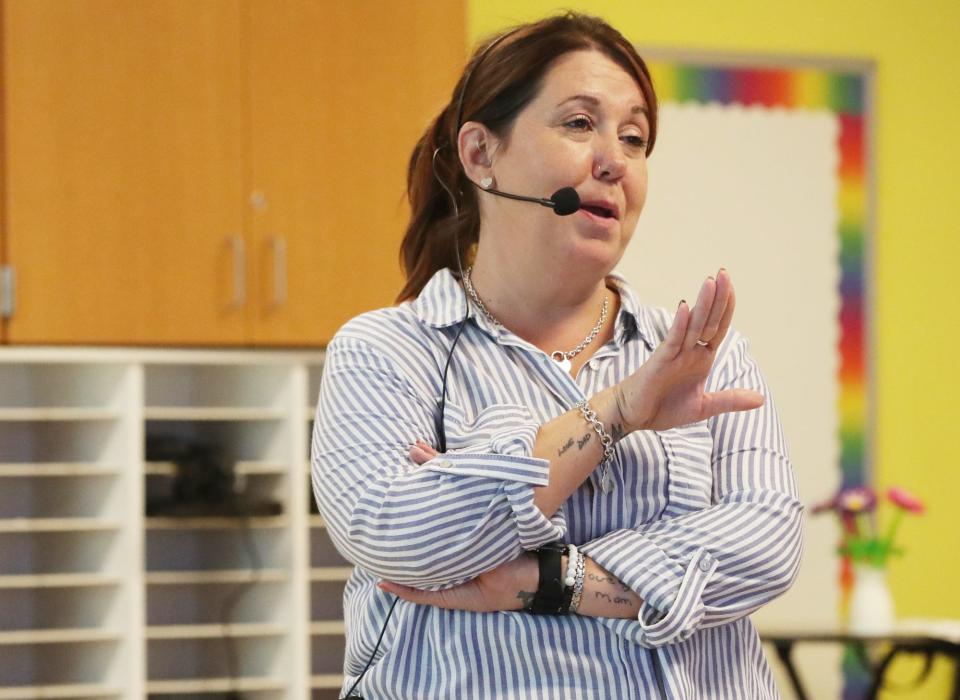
(859, 499)
(905, 500)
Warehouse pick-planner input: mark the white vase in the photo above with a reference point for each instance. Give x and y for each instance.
(871, 605)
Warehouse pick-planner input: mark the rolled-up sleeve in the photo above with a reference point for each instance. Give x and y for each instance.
(431, 525)
(713, 566)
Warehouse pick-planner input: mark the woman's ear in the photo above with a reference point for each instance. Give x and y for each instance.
(476, 145)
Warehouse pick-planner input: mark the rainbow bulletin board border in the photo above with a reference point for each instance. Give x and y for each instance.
(843, 94)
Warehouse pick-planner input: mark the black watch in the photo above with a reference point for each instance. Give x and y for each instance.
(550, 598)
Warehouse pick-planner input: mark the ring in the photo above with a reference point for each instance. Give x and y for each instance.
(702, 343)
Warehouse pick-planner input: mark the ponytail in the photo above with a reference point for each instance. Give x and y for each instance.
(435, 231)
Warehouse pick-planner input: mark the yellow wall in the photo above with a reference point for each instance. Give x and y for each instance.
(916, 249)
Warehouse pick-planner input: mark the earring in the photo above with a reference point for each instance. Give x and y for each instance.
(486, 182)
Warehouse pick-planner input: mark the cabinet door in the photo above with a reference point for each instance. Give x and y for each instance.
(340, 93)
(124, 191)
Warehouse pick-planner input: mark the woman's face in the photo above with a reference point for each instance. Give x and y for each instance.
(587, 129)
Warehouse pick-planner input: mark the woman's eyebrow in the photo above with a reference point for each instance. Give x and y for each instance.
(595, 102)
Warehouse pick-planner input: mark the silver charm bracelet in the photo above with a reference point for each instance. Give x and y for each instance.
(605, 440)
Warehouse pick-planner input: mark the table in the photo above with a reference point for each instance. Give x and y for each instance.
(927, 637)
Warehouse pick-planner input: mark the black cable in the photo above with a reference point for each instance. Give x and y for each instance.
(370, 660)
(441, 432)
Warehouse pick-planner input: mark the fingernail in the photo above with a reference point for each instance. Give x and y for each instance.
(682, 302)
(711, 278)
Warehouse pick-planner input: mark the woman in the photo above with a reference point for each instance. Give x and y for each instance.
(569, 413)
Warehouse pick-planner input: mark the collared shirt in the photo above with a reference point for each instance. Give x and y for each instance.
(703, 522)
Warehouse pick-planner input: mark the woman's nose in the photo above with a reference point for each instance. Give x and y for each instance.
(609, 162)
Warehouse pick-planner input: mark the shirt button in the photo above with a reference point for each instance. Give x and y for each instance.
(444, 463)
(594, 364)
(706, 561)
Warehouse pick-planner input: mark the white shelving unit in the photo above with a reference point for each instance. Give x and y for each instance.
(97, 600)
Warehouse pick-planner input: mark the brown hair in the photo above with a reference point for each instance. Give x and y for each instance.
(502, 77)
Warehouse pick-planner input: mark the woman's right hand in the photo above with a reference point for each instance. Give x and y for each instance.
(668, 390)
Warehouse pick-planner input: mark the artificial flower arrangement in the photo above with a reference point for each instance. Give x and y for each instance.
(861, 537)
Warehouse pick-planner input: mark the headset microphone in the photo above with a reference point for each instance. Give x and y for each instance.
(564, 201)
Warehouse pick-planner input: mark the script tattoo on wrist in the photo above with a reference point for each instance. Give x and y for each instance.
(583, 441)
(616, 600)
(566, 446)
(609, 579)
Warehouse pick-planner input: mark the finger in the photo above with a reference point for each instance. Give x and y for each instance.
(673, 342)
(725, 319)
(426, 448)
(419, 455)
(700, 312)
(719, 307)
(414, 595)
(731, 400)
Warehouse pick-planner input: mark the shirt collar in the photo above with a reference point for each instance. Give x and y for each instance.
(441, 303)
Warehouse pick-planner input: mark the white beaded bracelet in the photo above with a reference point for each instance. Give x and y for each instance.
(571, 577)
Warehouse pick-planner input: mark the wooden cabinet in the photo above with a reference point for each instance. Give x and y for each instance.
(229, 172)
(340, 93)
(123, 152)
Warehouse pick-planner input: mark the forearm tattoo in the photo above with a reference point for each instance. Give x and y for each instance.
(526, 597)
(580, 442)
(616, 600)
(610, 580)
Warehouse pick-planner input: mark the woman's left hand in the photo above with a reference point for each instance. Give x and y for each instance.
(509, 586)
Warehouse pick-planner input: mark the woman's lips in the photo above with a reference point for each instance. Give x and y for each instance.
(604, 222)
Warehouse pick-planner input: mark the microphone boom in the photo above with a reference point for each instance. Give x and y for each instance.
(564, 201)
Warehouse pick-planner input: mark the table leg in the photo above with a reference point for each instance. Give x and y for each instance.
(784, 649)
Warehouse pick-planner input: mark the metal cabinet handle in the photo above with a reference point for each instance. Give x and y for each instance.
(279, 246)
(238, 246)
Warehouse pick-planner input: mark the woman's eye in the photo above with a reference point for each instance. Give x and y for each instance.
(580, 123)
(635, 140)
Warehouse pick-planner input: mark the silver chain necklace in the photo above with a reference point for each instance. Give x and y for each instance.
(559, 356)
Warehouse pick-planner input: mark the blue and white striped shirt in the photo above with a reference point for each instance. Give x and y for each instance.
(704, 523)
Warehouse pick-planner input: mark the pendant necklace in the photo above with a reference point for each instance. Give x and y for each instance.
(562, 358)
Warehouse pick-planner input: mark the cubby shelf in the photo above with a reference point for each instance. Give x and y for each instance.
(214, 631)
(47, 413)
(57, 524)
(51, 469)
(240, 468)
(180, 578)
(51, 636)
(177, 413)
(331, 573)
(326, 680)
(213, 685)
(58, 580)
(326, 627)
(216, 523)
(71, 690)
(98, 600)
